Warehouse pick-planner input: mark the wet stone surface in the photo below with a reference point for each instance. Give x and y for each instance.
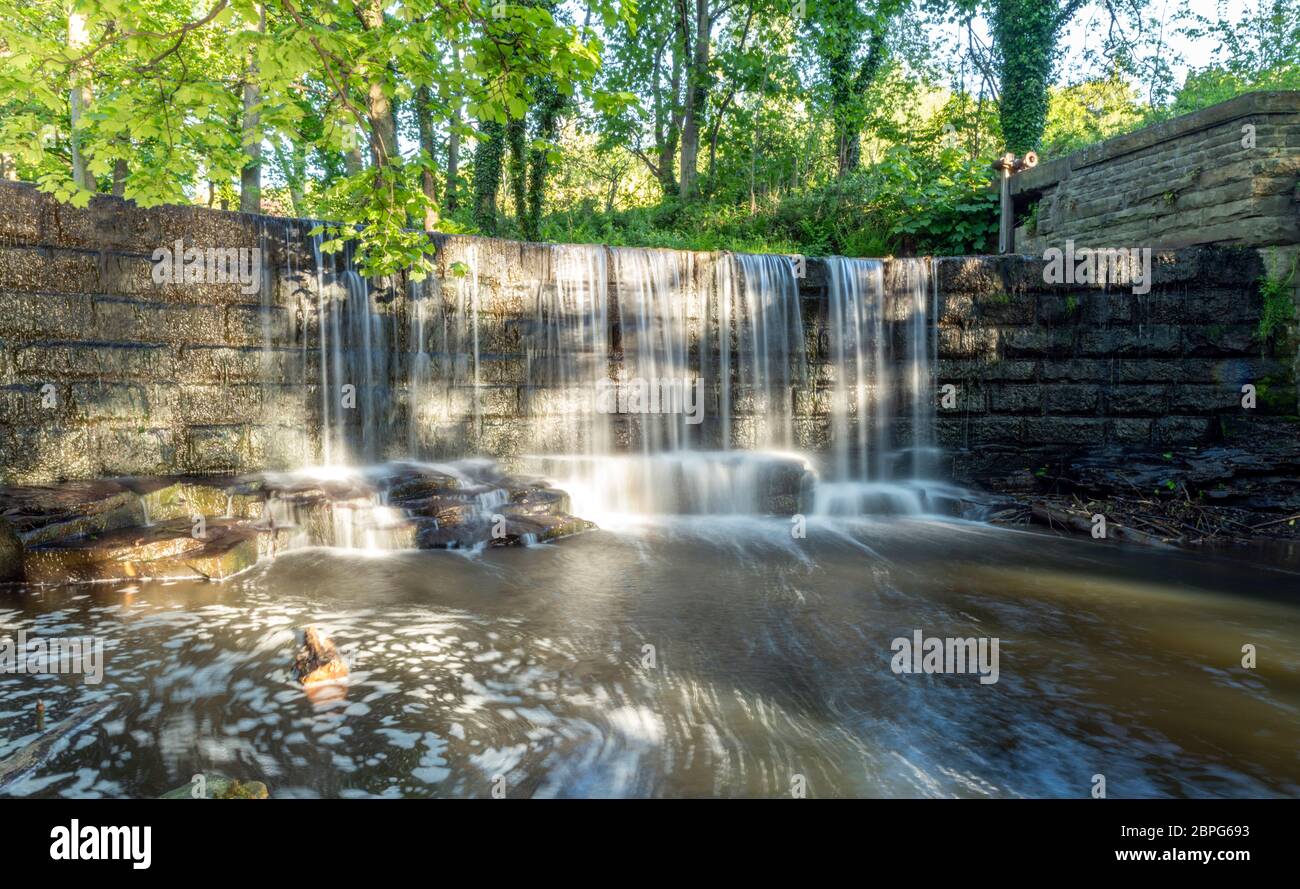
(213, 527)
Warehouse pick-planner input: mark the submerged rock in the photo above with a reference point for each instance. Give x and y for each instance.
(318, 660)
(539, 528)
(27, 759)
(221, 787)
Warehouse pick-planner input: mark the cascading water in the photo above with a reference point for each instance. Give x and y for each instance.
(738, 406)
(761, 292)
(669, 323)
(882, 343)
(354, 360)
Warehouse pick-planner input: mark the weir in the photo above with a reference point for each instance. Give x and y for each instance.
(828, 367)
(728, 329)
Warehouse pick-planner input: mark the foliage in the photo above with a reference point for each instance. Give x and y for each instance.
(1279, 302)
(820, 126)
(1089, 112)
(907, 203)
(1026, 32)
(163, 88)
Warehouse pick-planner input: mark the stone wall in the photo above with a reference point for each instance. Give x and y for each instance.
(1053, 367)
(104, 372)
(1228, 174)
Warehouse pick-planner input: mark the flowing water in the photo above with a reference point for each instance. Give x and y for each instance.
(730, 628)
(687, 657)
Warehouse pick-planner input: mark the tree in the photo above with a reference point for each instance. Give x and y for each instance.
(250, 182)
(489, 154)
(850, 43)
(646, 60)
(1026, 33)
(189, 98)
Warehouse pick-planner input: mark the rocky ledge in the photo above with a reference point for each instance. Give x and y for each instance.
(214, 527)
(1243, 489)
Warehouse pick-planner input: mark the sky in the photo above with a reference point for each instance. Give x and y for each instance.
(1088, 31)
(1088, 28)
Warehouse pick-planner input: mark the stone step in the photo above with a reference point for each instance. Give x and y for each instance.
(165, 551)
(46, 513)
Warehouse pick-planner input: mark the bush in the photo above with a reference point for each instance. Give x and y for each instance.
(909, 203)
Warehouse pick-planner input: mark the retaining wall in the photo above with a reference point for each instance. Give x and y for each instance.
(104, 372)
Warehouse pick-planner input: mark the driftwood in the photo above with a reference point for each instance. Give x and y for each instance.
(26, 760)
(318, 660)
(1284, 519)
(1081, 522)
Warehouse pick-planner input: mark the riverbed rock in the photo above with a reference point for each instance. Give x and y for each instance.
(461, 535)
(318, 660)
(44, 513)
(221, 787)
(536, 502)
(521, 530)
(166, 551)
(229, 497)
(447, 510)
(422, 486)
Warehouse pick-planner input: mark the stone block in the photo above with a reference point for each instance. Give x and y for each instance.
(1076, 400)
(1074, 431)
(1182, 430)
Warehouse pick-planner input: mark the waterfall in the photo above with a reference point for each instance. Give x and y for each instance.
(853, 407)
(883, 352)
(655, 291)
(568, 350)
(856, 303)
(762, 293)
(354, 357)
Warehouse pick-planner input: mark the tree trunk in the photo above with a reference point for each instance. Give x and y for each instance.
(848, 89)
(352, 161)
(250, 178)
(379, 108)
(453, 144)
(1026, 32)
(550, 107)
(79, 97)
(516, 138)
(487, 175)
(697, 94)
(428, 178)
(119, 177)
(294, 164)
(848, 146)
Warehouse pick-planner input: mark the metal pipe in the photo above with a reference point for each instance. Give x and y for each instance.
(1006, 165)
